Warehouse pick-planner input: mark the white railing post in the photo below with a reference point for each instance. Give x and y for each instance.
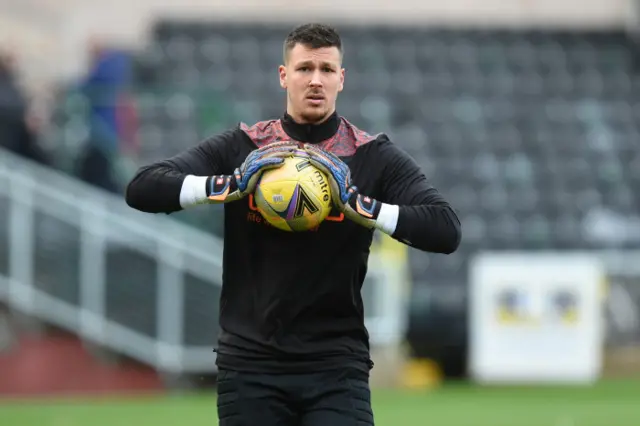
(21, 242)
(92, 274)
(170, 306)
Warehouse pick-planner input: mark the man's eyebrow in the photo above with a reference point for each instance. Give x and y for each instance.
(310, 62)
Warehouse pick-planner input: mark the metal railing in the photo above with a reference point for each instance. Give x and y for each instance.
(82, 259)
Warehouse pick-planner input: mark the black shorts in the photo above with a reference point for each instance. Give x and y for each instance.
(335, 398)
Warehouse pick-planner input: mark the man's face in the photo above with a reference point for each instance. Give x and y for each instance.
(312, 78)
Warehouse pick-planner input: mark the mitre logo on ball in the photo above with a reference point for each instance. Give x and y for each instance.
(295, 196)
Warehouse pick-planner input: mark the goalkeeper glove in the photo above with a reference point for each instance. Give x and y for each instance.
(225, 188)
(356, 207)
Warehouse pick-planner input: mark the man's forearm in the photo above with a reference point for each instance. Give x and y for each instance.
(161, 190)
(430, 228)
(155, 189)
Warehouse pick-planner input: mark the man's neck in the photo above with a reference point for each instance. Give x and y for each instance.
(300, 120)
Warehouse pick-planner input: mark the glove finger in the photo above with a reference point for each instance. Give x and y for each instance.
(257, 168)
(331, 156)
(278, 145)
(274, 147)
(338, 196)
(319, 157)
(280, 152)
(283, 143)
(252, 183)
(352, 190)
(237, 174)
(315, 150)
(322, 166)
(251, 170)
(270, 161)
(276, 154)
(261, 164)
(251, 177)
(329, 161)
(299, 152)
(344, 196)
(273, 150)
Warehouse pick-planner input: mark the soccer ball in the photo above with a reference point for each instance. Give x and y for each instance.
(295, 196)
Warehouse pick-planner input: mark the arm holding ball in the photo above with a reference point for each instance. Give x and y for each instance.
(195, 177)
(410, 209)
(224, 189)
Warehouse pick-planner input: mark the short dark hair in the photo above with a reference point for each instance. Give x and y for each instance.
(313, 36)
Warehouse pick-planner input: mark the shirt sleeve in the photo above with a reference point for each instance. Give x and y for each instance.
(426, 221)
(156, 187)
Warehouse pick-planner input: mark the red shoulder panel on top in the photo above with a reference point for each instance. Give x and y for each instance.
(344, 143)
(265, 132)
(346, 140)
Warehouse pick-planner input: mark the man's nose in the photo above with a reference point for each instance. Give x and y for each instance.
(316, 81)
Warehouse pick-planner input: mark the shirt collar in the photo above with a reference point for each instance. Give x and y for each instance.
(311, 133)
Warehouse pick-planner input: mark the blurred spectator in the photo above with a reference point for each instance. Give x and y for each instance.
(111, 115)
(17, 126)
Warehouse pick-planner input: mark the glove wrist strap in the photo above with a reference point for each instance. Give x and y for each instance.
(383, 216)
(220, 188)
(367, 207)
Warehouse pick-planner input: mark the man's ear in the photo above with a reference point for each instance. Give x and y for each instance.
(282, 71)
(341, 80)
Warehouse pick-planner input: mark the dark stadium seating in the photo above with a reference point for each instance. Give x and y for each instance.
(533, 136)
(526, 133)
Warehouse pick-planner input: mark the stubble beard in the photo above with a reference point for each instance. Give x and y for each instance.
(314, 116)
(310, 115)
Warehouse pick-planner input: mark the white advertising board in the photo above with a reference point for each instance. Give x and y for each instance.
(535, 318)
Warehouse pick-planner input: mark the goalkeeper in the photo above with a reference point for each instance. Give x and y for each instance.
(293, 348)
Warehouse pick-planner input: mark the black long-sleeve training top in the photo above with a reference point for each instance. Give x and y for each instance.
(291, 300)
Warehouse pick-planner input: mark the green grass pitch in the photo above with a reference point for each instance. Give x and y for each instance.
(606, 404)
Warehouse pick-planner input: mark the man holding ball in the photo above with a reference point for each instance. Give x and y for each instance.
(293, 348)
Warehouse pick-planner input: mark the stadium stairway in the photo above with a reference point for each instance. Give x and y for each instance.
(46, 364)
(81, 260)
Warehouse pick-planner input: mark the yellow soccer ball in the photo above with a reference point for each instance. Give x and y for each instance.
(294, 197)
